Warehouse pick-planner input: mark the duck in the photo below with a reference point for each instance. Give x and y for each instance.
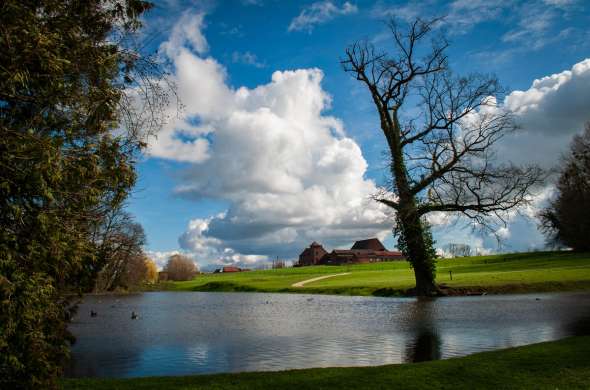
(93, 313)
(134, 315)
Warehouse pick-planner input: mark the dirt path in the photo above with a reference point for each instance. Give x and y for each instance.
(301, 284)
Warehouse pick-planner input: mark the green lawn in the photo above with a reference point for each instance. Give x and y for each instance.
(563, 364)
(520, 272)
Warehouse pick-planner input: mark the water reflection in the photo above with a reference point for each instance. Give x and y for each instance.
(188, 333)
(425, 343)
(579, 326)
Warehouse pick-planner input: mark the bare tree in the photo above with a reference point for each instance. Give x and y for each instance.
(278, 264)
(180, 267)
(440, 131)
(136, 272)
(119, 240)
(459, 250)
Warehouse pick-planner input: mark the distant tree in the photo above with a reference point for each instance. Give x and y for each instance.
(440, 131)
(69, 135)
(180, 267)
(119, 240)
(459, 250)
(135, 273)
(566, 221)
(278, 264)
(152, 271)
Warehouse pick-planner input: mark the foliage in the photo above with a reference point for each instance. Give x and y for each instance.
(429, 262)
(180, 267)
(151, 275)
(64, 163)
(440, 131)
(135, 272)
(566, 221)
(563, 364)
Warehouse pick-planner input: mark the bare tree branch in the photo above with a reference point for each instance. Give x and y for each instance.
(443, 159)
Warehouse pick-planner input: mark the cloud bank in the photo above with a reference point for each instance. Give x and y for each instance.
(288, 171)
(550, 112)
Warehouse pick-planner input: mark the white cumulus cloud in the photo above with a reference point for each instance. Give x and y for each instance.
(550, 112)
(288, 170)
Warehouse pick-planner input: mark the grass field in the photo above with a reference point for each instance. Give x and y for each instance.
(563, 364)
(508, 273)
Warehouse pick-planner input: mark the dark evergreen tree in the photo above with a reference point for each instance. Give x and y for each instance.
(67, 147)
(566, 221)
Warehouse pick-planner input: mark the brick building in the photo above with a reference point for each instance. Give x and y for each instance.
(312, 255)
(363, 251)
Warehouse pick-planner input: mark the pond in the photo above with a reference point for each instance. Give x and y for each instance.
(196, 332)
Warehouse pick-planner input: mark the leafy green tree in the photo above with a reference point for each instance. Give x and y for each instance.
(68, 138)
(566, 221)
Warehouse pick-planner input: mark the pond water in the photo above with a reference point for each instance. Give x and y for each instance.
(197, 332)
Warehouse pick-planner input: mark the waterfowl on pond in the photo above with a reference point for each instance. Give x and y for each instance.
(134, 315)
(93, 313)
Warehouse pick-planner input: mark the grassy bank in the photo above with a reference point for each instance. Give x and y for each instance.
(509, 273)
(561, 364)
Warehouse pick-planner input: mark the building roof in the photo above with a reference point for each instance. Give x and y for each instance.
(308, 250)
(305, 251)
(371, 243)
(366, 253)
(344, 252)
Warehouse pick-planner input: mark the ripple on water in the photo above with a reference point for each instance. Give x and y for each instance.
(186, 333)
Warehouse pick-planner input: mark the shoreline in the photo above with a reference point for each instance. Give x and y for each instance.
(548, 365)
(479, 275)
(459, 291)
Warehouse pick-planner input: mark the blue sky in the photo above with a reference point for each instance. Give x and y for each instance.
(212, 187)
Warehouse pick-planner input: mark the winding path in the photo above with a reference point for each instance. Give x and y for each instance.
(301, 284)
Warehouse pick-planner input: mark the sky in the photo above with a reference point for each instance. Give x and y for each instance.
(275, 146)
